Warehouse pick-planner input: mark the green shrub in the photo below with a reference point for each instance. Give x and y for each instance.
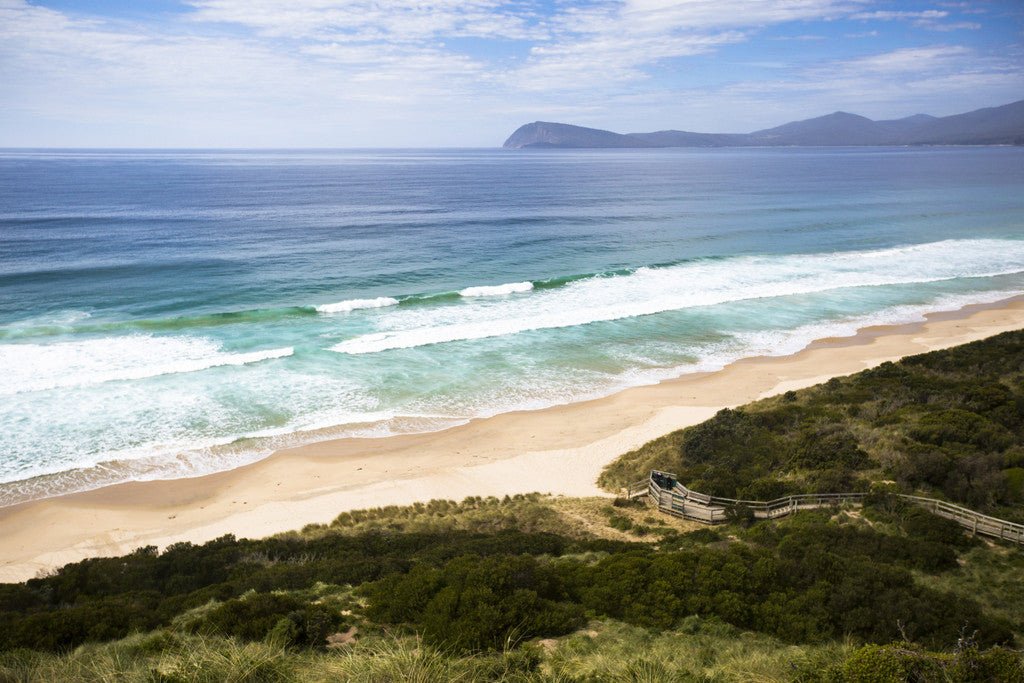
(828, 447)
(286, 620)
(1015, 484)
(250, 617)
(921, 525)
(879, 664)
(477, 603)
(619, 522)
(902, 662)
(962, 427)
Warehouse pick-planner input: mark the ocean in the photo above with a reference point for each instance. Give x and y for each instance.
(174, 313)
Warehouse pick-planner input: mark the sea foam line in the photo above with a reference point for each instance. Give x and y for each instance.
(652, 290)
(187, 459)
(497, 290)
(357, 304)
(42, 367)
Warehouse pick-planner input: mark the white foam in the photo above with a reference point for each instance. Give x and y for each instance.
(357, 304)
(788, 342)
(168, 452)
(649, 291)
(41, 367)
(497, 290)
(64, 318)
(188, 426)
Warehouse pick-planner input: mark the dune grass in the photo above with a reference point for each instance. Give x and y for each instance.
(994, 576)
(698, 650)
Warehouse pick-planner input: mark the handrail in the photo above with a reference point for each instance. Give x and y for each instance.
(674, 498)
(637, 489)
(959, 509)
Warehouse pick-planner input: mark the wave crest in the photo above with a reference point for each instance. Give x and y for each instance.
(707, 282)
(497, 290)
(42, 367)
(357, 304)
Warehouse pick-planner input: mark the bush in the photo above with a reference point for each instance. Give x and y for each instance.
(901, 662)
(477, 603)
(830, 447)
(922, 525)
(881, 664)
(962, 427)
(249, 618)
(285, 619)
(619, 522)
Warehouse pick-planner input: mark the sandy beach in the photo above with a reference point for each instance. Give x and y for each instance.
(558, 450)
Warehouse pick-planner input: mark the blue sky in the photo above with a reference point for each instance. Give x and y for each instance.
(426, 73)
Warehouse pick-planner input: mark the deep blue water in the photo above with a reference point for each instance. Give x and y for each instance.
(159, 310)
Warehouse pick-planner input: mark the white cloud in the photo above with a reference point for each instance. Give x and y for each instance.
(954, 26)
(368, 72)
(932, 19)
(803, 37)
(653, 14)
(178, 87)
(902, 61)
(607, 59)
(888, 15)
(615, 42)
(939, 80)
(396, 20)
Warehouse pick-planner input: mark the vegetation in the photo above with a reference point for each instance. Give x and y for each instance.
(948, 424)
(532, 588)
(775, 601)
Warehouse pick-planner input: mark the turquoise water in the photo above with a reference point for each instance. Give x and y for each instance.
(167, 314)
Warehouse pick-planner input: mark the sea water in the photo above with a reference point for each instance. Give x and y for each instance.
(173, 313)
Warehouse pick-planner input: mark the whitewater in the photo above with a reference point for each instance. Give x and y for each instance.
(154, 330)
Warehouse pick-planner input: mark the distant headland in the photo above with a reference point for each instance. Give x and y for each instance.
(990, 126)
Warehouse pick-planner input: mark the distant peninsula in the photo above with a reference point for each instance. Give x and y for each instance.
(990, 126)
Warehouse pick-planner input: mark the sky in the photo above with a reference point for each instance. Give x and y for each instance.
(466, 73)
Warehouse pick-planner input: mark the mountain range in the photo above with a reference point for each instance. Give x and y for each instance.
(990, 126)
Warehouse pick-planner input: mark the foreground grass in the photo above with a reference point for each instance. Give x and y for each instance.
(697, 651)
(606, 651)
(994, 576)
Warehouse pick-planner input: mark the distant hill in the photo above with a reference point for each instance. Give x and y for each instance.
(905, 125)
(990, 126)
(546, 134)
(839, 128)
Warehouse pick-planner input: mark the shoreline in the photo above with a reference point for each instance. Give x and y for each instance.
(559, 450)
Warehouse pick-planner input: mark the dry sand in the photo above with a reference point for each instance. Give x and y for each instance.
(558, 450)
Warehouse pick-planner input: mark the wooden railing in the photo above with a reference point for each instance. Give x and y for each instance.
(675, 499)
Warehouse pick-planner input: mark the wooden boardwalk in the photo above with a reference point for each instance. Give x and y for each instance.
(673, 498)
